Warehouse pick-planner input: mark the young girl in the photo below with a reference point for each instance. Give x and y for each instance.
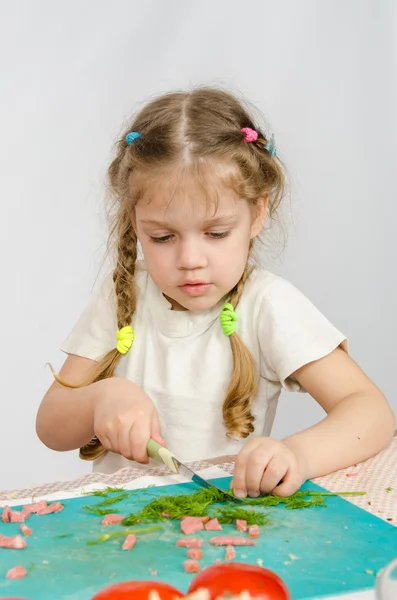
(193, 345)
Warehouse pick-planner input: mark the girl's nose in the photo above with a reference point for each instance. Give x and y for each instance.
(191, 255)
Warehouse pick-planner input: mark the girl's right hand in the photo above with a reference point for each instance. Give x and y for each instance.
(124, 418)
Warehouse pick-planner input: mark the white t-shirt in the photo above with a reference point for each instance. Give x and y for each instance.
(183, 359)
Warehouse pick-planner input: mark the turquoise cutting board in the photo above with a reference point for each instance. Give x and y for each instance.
(317, 551)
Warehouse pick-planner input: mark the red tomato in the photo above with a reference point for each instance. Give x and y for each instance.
(138, 590)
(237, 577)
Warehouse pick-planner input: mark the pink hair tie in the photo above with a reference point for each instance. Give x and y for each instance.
(250, 134)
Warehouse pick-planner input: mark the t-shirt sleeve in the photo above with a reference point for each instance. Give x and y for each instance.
(292, 333)
(94, 334)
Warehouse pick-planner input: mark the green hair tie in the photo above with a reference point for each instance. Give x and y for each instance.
(228, 319)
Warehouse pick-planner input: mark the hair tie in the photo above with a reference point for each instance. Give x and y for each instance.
(271, 146)
(131, 137)
(125, 337)
(228, 319)
(250, 134)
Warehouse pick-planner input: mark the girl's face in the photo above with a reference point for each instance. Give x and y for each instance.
(195, 250)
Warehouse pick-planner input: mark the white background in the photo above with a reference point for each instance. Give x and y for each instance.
(324, 74)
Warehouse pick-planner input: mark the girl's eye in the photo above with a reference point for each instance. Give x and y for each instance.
(161, 240)
(218, 235)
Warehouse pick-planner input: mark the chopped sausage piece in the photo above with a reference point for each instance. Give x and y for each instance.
(16, 573)
(129, 541)
(112, 519)
(29, 509)
(190, 543)
(16, 542)
(55, 507)
(26, 530)
(191, 525)
(191, 566)
(231, 541)
(241, 525)
(6, 515)
(253, 531)
(213, 525)
(17, 516)
(230, 553)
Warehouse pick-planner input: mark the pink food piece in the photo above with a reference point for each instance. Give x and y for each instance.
(112, 519)
(16, 542)
(351, 474)
(253, 531)
(129, 541)
(26, 530)
(230, 553)
(6, 515)
(241, 525)
(213, 525)
(191, 566)
(231, 541)
(17, 516)
(191, 525)
(190, 543)
(55, 507)
(194, 554)
(29, 509)
(202, 519)
(166, 515)
(16, 573)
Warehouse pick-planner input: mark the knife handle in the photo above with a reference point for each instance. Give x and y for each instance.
(161, 454)
(153, 450)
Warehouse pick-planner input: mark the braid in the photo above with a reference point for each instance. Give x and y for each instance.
(237, 415)
(124, 283)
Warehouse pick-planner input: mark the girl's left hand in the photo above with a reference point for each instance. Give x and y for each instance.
(267, 466)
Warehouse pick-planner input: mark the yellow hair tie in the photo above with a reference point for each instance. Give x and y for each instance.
(125, 337)
(228, 319)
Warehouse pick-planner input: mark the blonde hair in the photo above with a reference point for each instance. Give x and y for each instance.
(198, 128)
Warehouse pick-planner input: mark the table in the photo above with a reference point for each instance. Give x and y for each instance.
(376, 476)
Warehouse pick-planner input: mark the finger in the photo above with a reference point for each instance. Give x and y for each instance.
(139, 437)
(240, 469)
(124, 445)
(274, 473)
(107, 440)
(155, 432)
(258, 462)
(289, 485)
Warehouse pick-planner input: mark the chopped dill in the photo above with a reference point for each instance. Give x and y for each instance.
(97, 510)
(228, 516)
(105, 492)
(199, 504)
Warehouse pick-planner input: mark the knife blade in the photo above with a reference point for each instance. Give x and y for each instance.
(161, 454)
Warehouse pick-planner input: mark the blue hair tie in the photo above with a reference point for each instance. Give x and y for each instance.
(271, 146)
(131, 137)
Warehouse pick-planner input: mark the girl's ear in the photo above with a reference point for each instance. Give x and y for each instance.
(259, 216)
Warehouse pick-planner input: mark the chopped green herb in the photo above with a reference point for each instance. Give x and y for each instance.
(229, 516)
(389, 489)
(105, 492)
(197, 504)
(64, 535)
(100, 512)
(107, 536)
